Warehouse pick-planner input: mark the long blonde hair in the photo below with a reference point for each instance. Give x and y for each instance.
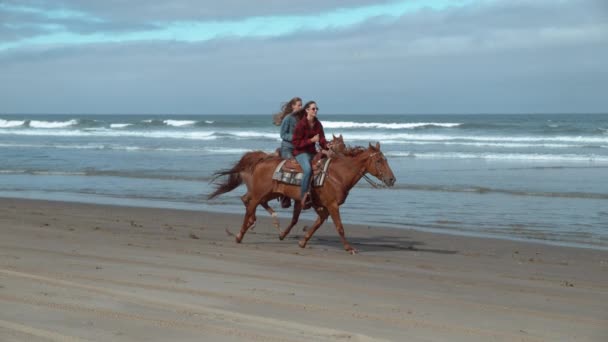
(286, 109)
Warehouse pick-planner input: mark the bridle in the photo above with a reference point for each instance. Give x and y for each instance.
(371, 181)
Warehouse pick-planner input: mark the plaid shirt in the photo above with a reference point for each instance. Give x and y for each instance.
(303, 134)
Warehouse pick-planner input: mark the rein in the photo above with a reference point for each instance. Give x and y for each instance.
(373, 183)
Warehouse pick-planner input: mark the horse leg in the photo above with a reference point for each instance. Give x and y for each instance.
(334, 211)
(323, 214)
(297, 209)
(249, 214)
(275, 217)
(252, 219)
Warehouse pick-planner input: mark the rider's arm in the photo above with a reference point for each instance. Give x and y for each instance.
(300, 140)
(286, 135)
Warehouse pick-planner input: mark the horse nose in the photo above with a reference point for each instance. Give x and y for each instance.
(391, 181)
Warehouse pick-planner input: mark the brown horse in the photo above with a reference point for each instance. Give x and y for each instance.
(343, 174)
(242, 172)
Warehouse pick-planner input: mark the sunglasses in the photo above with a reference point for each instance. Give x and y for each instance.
(314, 108)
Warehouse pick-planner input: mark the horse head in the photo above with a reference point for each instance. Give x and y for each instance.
(377, 165)
(337, 145)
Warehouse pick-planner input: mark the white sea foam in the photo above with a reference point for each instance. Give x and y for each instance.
(209, 121)
(10, 123)
(503, 156)
(120, 125)
(227, 150)
(115, 133)
(411, 125)
(204, 150)
(63, 146)
(482, 144)
(251, 134)
(179, 123)
(460, 138)
(52, 124)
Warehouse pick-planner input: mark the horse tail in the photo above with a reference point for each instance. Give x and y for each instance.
(233, 181)
(247, 164)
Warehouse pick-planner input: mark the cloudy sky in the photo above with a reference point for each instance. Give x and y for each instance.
(352, 56)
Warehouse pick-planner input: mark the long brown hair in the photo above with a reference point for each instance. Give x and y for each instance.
(302, 112)
(286, 109)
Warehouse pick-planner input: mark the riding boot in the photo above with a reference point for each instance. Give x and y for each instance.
(285, 202)
(306, 201)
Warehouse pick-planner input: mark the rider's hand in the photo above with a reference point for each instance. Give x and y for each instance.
(315, 139)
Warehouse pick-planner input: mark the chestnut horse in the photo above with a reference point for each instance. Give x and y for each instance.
(343, 174)
(245, 175)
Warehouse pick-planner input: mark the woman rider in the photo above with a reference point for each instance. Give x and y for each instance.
(288, 117)
(308, 132)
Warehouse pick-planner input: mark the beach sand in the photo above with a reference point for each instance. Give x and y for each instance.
(72, 272)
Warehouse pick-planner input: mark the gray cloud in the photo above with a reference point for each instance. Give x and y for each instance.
(516, 56)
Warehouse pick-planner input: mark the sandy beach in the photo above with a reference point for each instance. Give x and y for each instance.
(78, 272)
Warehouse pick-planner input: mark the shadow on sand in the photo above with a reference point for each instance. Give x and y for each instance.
(375, 243)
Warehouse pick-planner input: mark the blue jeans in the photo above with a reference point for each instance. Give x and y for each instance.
(286, 151)
(304, 160)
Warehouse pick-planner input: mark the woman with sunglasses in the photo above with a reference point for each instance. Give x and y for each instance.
(288, 118)
(308, 132)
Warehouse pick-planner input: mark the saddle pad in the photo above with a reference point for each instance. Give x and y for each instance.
(294, 178)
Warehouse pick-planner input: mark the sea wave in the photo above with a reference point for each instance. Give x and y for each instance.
(10, 123)
(490, 144)
(91, 172)
(462, 138)
(203, 150)
(179, 123)
(557, 141)
(412, 125)
(120, 125)
(196, 135)
(52, 124)
(503, 156)
(485, 190)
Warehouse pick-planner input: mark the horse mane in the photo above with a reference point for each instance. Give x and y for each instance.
(354, 151)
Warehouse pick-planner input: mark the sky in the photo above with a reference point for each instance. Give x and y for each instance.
(352, 57)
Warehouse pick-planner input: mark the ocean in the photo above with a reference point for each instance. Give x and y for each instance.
(539, 177)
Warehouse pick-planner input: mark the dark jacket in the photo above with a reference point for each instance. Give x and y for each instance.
(303, 134)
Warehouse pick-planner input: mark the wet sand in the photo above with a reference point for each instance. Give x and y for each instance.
(78, 272)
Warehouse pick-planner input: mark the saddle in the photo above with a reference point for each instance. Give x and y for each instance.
(290, 172)
(292, 165)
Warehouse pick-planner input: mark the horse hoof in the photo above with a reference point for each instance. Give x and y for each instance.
(352, 251)
(302, 244)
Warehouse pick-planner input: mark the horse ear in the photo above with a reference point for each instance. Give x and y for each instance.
(371, 147)
(378, 146)
(333, 135)
(341, 136)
